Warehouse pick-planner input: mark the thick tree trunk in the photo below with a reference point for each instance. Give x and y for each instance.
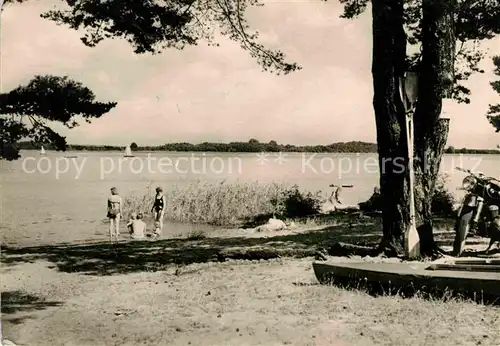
(431, 132)
(389, 52)
(429, 152)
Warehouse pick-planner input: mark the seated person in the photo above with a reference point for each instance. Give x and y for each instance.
(133, 217)
(374, 203)
(137, 227)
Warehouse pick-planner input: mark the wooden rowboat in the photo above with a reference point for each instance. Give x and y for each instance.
(481, 276)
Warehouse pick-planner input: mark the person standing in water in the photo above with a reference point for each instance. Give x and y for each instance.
(158, 209)
(115, 211)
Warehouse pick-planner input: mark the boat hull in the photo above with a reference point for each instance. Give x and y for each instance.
(468, 278)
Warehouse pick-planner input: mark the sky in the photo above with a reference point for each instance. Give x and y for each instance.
(220, 94)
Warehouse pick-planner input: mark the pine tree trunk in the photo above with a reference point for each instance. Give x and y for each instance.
(389, 52)
(431, 132)
(429, 151)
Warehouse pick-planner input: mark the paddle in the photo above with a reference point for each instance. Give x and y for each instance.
(408, 89)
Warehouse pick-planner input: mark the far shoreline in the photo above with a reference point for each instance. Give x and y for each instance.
(252, 146)
(145, 151)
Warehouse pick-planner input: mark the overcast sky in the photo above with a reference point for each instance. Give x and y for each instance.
(220, 94)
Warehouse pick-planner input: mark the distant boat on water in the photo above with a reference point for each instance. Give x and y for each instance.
(128, 152)
(42, 151)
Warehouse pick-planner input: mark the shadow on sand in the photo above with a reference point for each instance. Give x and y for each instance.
(135, 256)
(20, 302)
(147, 255)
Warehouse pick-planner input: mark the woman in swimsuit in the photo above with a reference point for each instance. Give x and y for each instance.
(158, 208)
(114, 213)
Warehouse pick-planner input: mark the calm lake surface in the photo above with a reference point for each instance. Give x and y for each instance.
(48, 199)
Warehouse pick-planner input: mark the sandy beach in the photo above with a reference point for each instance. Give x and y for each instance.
(148, 293)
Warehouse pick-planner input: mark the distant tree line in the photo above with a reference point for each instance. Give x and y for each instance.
(69, 147)
(452, 150)
(252, 145)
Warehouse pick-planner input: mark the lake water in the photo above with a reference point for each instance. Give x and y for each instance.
(47, 198)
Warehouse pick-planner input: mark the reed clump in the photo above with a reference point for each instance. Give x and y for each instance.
(217, 203)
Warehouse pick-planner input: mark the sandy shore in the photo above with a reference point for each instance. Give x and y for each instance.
(87, 296)
(271, 303)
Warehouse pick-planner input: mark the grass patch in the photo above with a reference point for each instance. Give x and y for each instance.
(427, 293)
(196, 235)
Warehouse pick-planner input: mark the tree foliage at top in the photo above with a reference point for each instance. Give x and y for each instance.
(151, 26)
(493, 114)
(474, 20)
(27, 111)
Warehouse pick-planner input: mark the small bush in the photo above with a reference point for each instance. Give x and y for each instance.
(293, 203)
(441, 204)
(442, 200)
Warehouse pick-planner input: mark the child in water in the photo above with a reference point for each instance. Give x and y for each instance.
(157, 229)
